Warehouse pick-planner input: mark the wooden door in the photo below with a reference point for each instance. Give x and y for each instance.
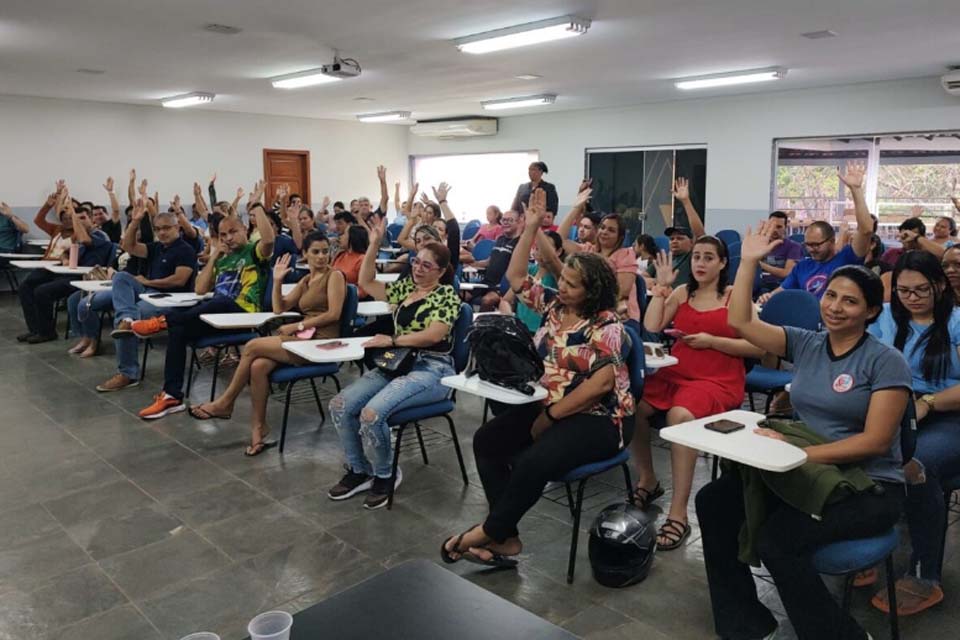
(287, 167)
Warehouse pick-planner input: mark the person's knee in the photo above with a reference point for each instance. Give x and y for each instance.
(253, 349)
(369, 417)
(261, 367)
(678, 415)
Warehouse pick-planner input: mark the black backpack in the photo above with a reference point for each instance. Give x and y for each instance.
(502, 352)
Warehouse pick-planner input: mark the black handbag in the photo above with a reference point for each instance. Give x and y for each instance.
(394, 361)
(502, 352)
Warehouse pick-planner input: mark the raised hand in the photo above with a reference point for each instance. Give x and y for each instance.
(916, 211)
(5, 210)
(582, 198)
(143, 188)
(176, 204)
(853, 176)
(382, 173)
(282, 192)
(325, 203)
(585, 184)
(281, 268)
(133, 176)
(108, 185)
(440, 193)
(681, 189)
(666, 274)
(139, 209)
(213, 178)
(196, 190)
(377, 230)
(754, 246)
(239, 192)
(293, 215)
(424, 198)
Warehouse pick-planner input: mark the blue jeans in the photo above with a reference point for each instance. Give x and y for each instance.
(127, 305)
(938, 450)
(84, 312)
(360, 411)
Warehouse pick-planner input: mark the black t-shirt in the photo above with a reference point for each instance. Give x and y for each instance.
(112, 229)
(162, 262)
(499, 261)
(138, 266)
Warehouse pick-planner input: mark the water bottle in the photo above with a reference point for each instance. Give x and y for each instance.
(74, 255)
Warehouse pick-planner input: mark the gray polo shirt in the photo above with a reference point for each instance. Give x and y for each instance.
(831, 394)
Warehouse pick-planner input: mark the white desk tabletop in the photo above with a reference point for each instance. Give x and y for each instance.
(174, 300)
(22, 256)
(474, 385)
(393, 249)
(388, 277)
(742, 446)
(470, 286)
(373, 309)
(59, 268)
(34, 264)
(37, 242)
(243, 320)
(307, 349)
(92, 285)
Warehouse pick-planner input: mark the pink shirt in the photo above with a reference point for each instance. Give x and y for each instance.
(488, 232)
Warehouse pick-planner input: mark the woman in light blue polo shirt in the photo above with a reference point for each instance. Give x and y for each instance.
(923, 322)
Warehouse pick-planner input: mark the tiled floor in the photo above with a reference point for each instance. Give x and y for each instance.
(114, 528)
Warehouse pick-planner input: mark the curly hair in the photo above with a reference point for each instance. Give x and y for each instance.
(599, 282)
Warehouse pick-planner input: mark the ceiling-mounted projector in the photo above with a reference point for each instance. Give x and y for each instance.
(342, 68)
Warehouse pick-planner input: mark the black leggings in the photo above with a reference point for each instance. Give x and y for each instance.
(514, 468)
(786, 540)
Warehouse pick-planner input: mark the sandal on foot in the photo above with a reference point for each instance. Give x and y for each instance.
(260, 447)
(496, 560)
(910, 599)
(643, 498)
(675, 532)
(866, 578)
(445, 555)
(199, 413)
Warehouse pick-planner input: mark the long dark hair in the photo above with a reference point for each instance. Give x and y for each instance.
(721, 248)
(358, 239)
(621, 230)
(866, 280)
(599, 282)
(442, 255)
(936, 355)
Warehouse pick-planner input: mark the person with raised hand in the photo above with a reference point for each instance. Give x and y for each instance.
(11, 228)
(112, 226)
(850, 391)
(708, 379)
(584, 418)
(319, 298)
(682, 237)
(426, 311)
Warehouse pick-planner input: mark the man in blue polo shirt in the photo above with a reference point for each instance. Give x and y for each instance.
(171, 266)
(811, 274)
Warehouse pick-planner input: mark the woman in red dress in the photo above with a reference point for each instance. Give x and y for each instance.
(708, 380)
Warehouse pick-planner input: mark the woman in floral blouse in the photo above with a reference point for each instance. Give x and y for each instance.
(582, 418)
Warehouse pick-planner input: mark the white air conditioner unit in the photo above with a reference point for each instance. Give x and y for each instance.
(468, 128)
(951, 82)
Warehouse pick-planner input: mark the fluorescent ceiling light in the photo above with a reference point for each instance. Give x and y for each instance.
(388, 116)
(524, 34)
(187, 100)
(728, 79)
(518, 103)
(302, 79)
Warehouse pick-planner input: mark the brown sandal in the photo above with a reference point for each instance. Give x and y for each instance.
(675, 532)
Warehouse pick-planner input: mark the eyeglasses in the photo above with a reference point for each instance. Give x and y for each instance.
(816, 245)
(920, 293)
(426, 265)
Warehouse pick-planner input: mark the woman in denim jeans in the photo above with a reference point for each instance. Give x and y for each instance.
(426, 310)
(923, 322)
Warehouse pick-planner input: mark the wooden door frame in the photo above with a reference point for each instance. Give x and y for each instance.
(305, 154)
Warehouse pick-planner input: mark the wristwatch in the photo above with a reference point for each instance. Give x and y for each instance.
(930, 400)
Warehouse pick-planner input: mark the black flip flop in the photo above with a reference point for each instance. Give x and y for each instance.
(259, 448)
(495, 560)
(445, 555)
(209, 415)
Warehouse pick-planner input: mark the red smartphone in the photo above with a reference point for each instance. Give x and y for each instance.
(329, 346)
(724, 426)
(675, 333)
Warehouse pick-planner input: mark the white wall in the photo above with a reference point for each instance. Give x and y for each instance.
(84, 142)
(738, 132)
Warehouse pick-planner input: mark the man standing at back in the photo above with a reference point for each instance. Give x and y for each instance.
(811, 274)
(236, 274)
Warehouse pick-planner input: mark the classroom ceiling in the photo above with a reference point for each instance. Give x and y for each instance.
(148, 50)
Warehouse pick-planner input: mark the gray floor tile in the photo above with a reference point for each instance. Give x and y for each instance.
(28, 566)
(77, 472)
(120, 623)
(256, 531)
(124, 532)
(291, 479)
(216, 503)
(24, 525)
(382, 533)
(97, 503)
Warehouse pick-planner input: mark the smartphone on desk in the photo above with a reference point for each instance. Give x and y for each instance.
(724, 426)
(329, 346)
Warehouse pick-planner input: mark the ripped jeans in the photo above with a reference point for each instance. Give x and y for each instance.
(360, 411)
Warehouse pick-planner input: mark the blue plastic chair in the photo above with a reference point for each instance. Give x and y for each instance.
(641, 288)
(789, 308)
(470, 230)
(293, 373)
(849, 557)
(663, 243)
(441, 409)
(733, 250)
(483, 249)
(729, 236)
(636, 363)
(393, 230)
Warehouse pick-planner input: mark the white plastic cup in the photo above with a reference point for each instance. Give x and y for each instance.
(202, 635)
(272, 625)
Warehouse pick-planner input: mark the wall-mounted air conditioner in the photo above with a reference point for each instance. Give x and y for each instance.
(465, 128)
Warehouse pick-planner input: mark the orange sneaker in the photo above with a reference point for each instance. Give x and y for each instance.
(149, 327)
(163, 404)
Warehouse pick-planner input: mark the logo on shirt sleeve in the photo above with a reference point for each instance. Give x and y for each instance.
(843, 383)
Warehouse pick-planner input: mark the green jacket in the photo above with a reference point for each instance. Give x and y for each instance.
(808, 488)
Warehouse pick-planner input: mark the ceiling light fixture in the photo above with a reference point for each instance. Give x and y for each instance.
(729, 79)
(519, 103)
(386, 116)
(524, 35)
(528, 76)
(819, 35)
(187, 100)
(306, 78)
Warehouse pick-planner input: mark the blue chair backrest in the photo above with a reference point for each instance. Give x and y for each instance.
(797, 237)
(733, 249)
(114, 252)
(663, 243)
(792, 308)
(393, 230)
(470, 230)
(483, 249)
(729, 236)
(574, 233)
(641, 294)
(733, 263)
(636, 359)
(461, 348)
(456, 284)
(349, 312)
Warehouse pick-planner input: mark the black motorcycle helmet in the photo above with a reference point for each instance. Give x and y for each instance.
(623, 541)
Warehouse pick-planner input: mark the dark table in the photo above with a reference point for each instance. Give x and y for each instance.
(420, 600)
